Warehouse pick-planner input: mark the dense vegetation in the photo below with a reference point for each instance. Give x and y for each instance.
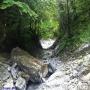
(24, 22)
(74, 23)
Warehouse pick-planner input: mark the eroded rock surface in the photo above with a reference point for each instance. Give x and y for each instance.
(73, 73)
(35, 68)
(4, 74)
(8, 79)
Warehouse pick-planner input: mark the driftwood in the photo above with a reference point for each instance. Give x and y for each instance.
(35, 68)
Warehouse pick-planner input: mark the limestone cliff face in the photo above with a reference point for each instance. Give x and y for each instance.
(29, 64)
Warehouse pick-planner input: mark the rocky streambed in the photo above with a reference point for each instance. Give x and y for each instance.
(19, 69)
(49, 73)
(73, 73)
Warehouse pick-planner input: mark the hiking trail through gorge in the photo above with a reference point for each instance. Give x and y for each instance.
(72, 74)
(24, 72)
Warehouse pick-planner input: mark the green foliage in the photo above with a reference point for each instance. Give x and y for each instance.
(49, 21)
(16, 26)
(49, 29)
(24, 21)
(74, 22)
(23, 7)
(85, 35)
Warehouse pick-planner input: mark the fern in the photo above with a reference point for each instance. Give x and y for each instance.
(23, 7)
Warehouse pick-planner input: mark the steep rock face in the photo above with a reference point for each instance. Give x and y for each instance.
(35, 68)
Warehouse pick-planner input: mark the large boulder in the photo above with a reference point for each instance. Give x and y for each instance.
(35, 68)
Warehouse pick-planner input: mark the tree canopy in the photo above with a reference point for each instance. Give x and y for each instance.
(24, 22)
(74, 22)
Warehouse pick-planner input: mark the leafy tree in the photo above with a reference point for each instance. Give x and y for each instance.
(25, 21)
(74, 22)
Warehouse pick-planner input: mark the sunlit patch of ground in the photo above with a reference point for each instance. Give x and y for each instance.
(47, 43)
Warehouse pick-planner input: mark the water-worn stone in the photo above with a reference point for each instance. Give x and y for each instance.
(9, 84)
(86, 77)
(6, 80)
(24, 75)
(73, 74)
(20, 84)
(4, 74)
(14, 71)
(35, 68)
(1, 85)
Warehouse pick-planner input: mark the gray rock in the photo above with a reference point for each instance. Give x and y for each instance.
(9, 84)
(20, 84)
(35, 68)
(6, 81)
(4, 74)
(14, 71)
